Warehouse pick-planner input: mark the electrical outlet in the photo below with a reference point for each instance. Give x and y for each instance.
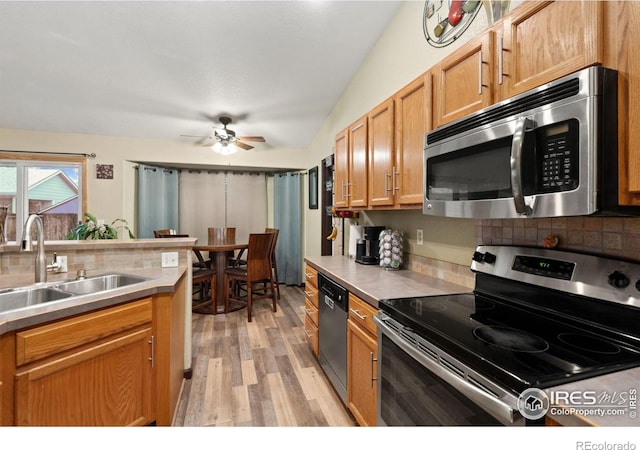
(169, 259)
(62, 262)
(419, 237)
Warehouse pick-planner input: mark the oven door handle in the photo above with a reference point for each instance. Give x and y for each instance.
(522, 126)
(499, 409)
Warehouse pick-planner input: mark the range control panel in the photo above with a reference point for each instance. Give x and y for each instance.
(582, 274)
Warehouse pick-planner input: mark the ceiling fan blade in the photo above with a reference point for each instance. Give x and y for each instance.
(242, 145)
(191, 135)
(252, 138)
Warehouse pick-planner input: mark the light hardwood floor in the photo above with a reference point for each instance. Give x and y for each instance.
(261, 373)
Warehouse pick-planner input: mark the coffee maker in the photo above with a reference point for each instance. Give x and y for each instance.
(368, 248)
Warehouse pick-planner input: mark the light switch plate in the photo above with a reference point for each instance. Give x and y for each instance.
(419, 238)
(169, 259)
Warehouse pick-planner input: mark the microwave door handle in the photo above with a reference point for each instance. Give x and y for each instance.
(517, 145)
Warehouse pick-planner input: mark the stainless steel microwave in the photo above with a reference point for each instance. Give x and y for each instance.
(549, 152)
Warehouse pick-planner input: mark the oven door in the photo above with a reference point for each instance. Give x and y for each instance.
(418, 385)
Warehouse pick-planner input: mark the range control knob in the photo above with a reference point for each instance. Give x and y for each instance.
(489, 258)
(618, 279)
(638, 285)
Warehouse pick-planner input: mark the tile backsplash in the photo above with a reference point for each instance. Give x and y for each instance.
(610, 236)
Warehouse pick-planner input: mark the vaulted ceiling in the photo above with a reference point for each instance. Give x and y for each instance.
(160, 69)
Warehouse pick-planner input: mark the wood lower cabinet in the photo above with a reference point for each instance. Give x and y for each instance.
(118, 366)
(311, 309)
(91, 370)
(362, 366)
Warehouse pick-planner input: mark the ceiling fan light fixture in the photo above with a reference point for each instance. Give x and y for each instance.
(224, 148)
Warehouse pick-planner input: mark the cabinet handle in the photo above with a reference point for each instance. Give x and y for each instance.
(480, 73)
(307, 333)
(307, 294)
(500, 59)
(357, 313)
(153, 351)
(372, 361)
(387, 175)
(308, 311)
(396, 176)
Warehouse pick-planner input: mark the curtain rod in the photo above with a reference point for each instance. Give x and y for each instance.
(86, 155)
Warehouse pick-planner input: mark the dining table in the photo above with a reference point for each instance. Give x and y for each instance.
(219, 257)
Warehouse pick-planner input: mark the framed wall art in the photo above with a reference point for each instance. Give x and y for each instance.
(313, 188)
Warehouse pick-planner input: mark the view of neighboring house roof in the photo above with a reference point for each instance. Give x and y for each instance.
(44, 184)
(69, 206)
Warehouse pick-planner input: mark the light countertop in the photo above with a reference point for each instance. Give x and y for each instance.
(371, 283)
(159, 281)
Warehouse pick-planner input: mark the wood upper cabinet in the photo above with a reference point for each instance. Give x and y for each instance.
(362, 366)
(462, 80)
(358, 165)
(621, 53)
(341, 170)
(543, 41)
(413, 105)
(350, 166)
(535, 43)
(396, 146)
(381, 154)
(90, 370)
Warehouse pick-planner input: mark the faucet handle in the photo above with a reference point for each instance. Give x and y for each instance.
(81, 274)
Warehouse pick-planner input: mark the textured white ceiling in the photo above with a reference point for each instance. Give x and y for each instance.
(159, 69)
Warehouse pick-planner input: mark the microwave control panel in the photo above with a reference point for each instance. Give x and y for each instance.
(557, 146)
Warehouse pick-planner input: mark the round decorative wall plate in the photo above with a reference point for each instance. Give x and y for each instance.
(445, 21)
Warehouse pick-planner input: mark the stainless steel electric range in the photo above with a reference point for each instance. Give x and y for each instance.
(537, 318)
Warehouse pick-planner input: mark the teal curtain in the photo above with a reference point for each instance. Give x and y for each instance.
(287, 208)
(157, 201)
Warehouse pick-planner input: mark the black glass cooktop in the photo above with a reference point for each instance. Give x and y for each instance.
(514, 344)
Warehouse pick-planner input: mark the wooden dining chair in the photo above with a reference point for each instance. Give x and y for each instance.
(257, 270)
(274, 264)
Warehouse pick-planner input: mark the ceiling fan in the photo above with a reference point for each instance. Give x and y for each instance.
(224, 140)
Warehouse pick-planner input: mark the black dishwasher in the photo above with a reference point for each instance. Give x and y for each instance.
(332, 317)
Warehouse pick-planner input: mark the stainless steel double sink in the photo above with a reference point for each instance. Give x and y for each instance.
(23, 297)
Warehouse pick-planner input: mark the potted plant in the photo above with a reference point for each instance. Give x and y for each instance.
(90, 229)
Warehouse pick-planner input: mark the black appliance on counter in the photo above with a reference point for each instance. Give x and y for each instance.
(537, 319)
(368, 248)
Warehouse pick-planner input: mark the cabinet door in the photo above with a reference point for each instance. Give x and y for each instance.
(544, 41)
(362, 368)
(413, 120)
(105, 384)
(341, 170)
(622, 47)
(357, 185)
(381, 125)
(463, 80)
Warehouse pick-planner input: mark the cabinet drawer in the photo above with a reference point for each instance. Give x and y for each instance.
(311, 276)
(50, 339)
(311, 294)
(311, 331)
(362, 313)
(311, 311)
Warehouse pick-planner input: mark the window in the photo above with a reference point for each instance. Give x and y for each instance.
(52, 188)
